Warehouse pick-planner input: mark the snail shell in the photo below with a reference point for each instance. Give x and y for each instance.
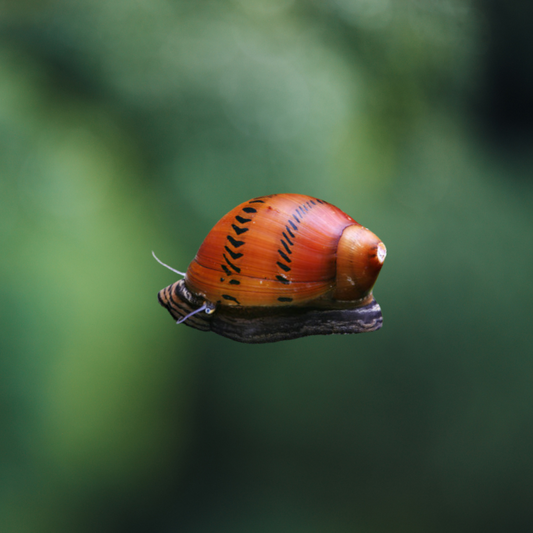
(280, 267)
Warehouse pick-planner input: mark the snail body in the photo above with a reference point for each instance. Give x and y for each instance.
(280, 267)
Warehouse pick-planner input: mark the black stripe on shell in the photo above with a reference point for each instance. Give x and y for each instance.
(285, 256)
(238, 230)
(236, 268)
(290, 232)
(234, 255)
(287, 249)
(283, 267)
(235, 242)
(230, 298)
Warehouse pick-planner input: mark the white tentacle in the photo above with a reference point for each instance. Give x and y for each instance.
(203, 308)
(170, 268)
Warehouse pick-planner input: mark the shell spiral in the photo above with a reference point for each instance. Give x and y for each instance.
(285, 250)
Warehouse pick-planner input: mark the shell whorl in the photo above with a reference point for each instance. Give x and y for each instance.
(275, 250)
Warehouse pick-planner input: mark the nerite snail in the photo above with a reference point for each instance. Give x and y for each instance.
(280, 267)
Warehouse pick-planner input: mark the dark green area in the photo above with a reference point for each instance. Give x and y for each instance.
(132, 126)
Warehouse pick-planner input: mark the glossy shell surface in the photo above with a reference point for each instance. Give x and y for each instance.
(274, 250)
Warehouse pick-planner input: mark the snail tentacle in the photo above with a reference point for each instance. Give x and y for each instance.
(170, 268)
(202, 308)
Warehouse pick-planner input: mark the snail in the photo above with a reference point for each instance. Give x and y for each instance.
(280, 267)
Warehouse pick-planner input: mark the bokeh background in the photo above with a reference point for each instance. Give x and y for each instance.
(132, 126)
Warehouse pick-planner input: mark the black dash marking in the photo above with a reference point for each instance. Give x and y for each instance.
(234, 282)
(313, 202)
(285, 256)
(304, 208)
(234, 242)
(238, 230)
(228, 297)
(301, 211)
(293, 226)
(256, 202)
(319, 201)
(226, 270)
(283, 280)
(282, 299)
(249, 210)
(285, 246)
(283, 266)
(242, 220)
(295, 218)
(222, 279)
(288, 240)
(234, 255)
(236, 268)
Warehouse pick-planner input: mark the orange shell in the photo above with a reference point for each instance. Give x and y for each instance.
(270, 251)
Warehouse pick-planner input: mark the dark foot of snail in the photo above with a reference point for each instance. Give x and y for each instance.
(292, 323)
(255, 325)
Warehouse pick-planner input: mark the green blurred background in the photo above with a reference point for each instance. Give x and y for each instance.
(132, 126)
